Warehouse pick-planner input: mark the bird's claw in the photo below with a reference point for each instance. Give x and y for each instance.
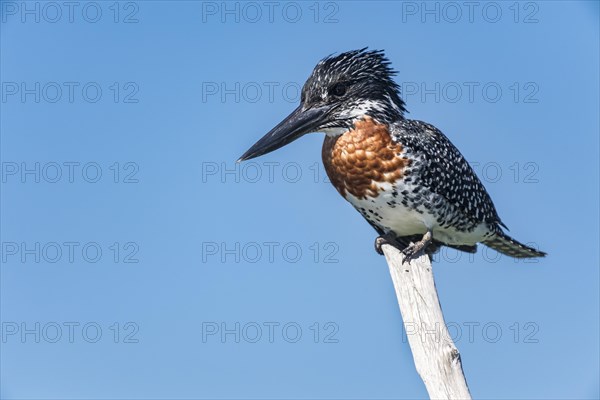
(381, 240)
(410, 253)
(412, 250)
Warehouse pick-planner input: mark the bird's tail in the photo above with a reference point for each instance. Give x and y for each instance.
(506, 245)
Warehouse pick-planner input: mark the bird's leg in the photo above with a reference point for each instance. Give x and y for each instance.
(388, 238)
(414, 248)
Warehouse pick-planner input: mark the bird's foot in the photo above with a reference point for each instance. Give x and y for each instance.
(412, 251)
(388, 238)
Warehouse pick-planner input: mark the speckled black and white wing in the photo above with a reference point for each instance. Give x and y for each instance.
(441, 181)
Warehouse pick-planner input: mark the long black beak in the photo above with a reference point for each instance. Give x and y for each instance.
(298, 123)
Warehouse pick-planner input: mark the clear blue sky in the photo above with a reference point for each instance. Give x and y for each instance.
(138, 261)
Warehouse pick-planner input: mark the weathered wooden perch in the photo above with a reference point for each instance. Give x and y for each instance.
(436, 357)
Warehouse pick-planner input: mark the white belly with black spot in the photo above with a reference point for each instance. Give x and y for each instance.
(388, 212)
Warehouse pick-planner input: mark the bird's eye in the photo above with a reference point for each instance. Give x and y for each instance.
(339, 89)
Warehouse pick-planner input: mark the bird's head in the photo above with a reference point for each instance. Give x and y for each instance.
(341, 90)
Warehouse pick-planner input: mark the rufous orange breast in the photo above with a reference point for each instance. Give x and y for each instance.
(362, 159)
